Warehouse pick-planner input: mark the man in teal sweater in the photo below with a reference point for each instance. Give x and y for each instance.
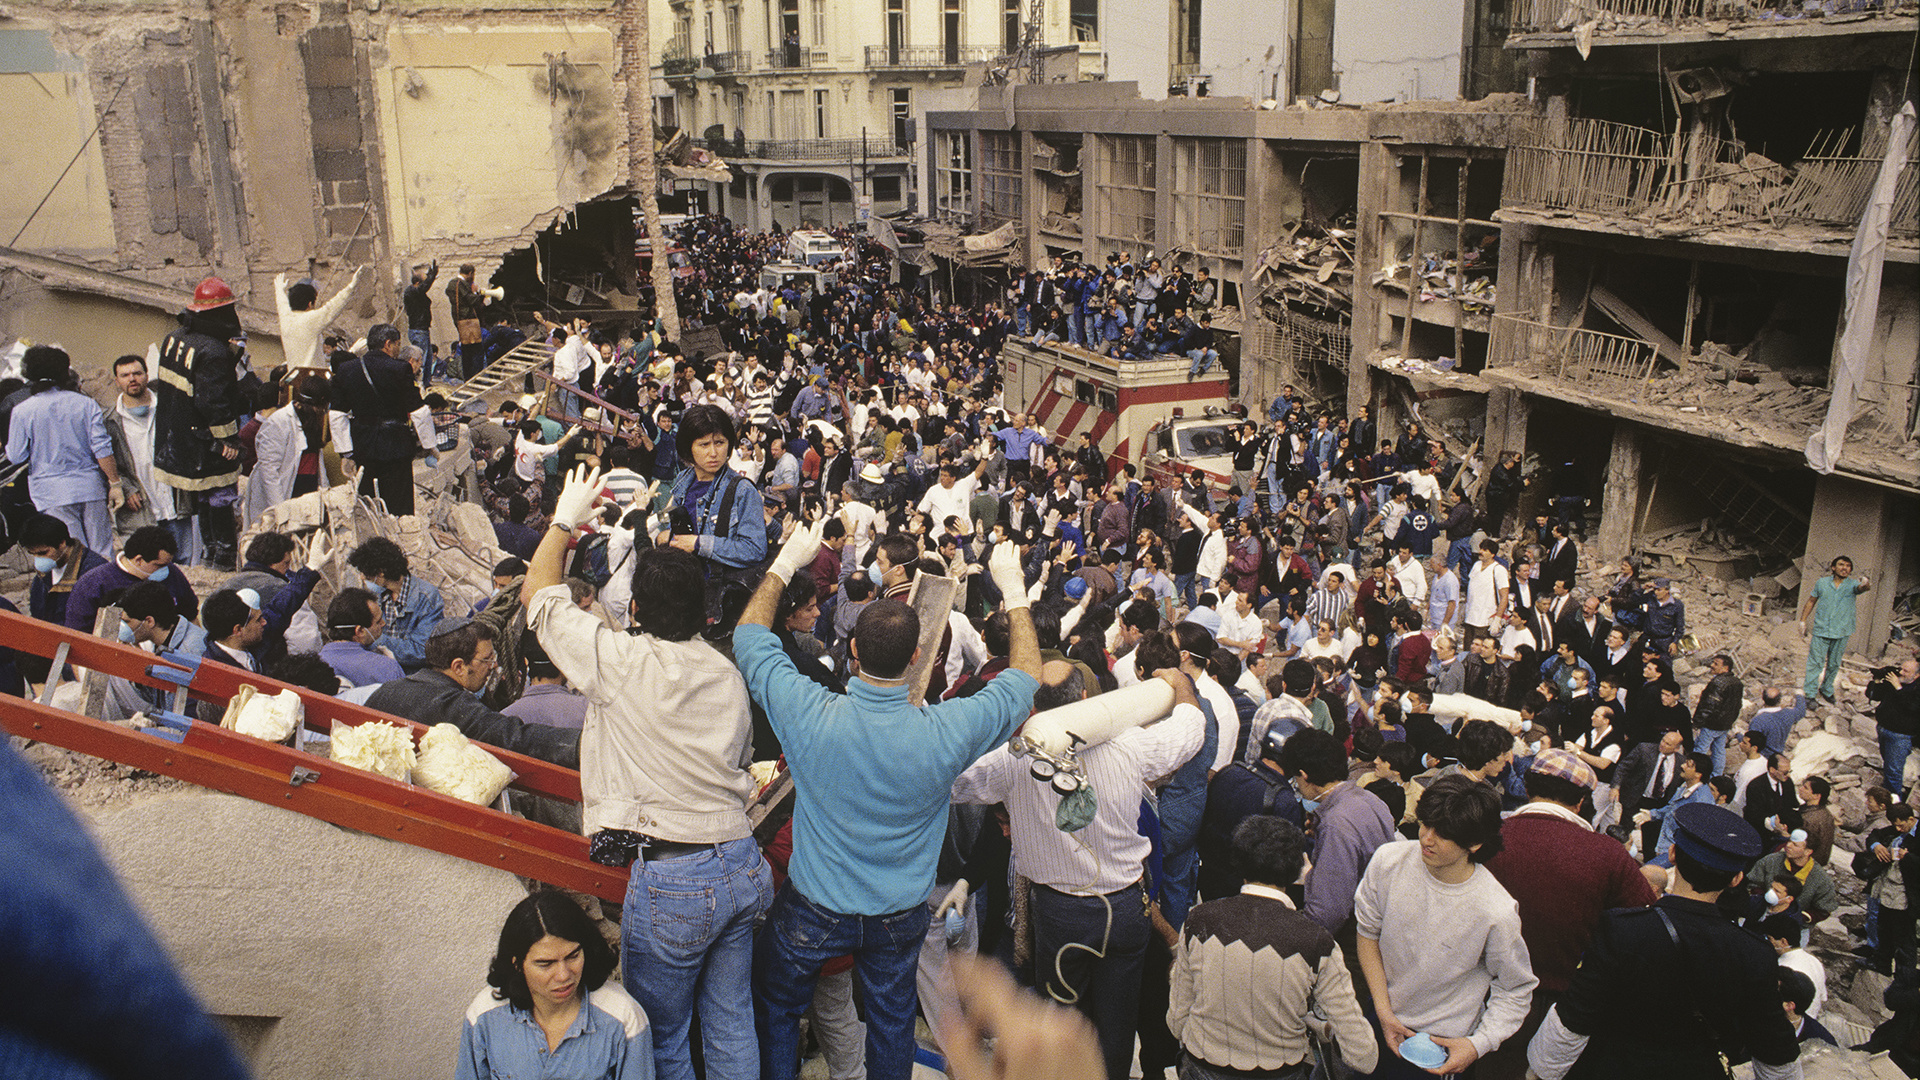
(872, 776)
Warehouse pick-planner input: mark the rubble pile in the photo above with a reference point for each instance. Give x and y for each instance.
(1311, 266)
(1839, 742)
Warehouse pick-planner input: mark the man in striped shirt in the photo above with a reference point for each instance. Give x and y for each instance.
(1087, 883)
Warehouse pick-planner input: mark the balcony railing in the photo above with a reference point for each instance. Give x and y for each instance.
(928, 56)
(1548, 16)
(1570, 352)
(837, 150)
(731, 63)
(795, 56)
(1617, 170)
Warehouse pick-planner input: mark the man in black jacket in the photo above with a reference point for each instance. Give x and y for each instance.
(419, 307)
(1647, 776)
(460, 660)
(1717, 709)
(1769, 793)
(1898, 693)
(377, 391)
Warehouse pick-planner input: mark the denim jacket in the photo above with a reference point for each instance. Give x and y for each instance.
(609, 1039)
(746, 542)
(412, 617)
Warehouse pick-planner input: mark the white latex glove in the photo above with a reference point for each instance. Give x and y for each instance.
(319, 551)
(798, 551)
(1642, 817)
(116, 498)
(1004, 566)
(955, 900)
(575, 504)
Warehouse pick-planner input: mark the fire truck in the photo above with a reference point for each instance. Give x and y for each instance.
(1144, 411)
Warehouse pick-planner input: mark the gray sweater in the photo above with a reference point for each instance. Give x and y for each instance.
(1456, 964)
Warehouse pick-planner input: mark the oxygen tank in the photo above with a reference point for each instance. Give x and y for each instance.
(1059, 733)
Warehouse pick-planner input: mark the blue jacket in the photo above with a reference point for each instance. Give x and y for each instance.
(744, 543)
(412, 618)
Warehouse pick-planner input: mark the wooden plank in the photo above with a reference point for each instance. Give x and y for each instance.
(931, 598)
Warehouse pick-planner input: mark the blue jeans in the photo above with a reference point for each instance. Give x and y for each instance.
(798, 938)
(1460, 556)
(1709, 741)
(1183, 590)
(686, 942)
(1823, 664)
(1202, 360)
(1894, 748)
(1105, 988)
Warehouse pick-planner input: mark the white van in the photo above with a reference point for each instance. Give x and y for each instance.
(810, 247)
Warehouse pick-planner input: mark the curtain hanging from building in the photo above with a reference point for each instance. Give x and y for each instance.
(1864, 263)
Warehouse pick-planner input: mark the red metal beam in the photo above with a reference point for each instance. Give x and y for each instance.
(218, 683)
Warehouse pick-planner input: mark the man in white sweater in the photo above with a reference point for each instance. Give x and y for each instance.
(301, 323)
(1439, 939)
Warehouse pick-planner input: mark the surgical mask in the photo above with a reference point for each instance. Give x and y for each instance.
(1309, 805)
(1773, 897)
(126, 633)
(874, 575)
(160, 574)
(139, 410)
(44, 565)
(1534, 748)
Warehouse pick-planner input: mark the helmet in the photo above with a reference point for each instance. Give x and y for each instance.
(1076, 587)
(211, 293)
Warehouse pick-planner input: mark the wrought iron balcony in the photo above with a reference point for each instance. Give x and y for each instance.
(823, 150)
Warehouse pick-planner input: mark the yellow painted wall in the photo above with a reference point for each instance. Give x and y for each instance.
(480, 149)
(96, 329)
(47, 115)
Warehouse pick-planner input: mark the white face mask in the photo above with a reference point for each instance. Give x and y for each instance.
(1773, 897)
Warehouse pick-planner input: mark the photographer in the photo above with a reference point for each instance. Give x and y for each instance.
(1898, 692)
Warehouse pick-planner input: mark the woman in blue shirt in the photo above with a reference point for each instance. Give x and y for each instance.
(549, 1011)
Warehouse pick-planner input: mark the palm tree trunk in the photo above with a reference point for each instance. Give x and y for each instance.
(642, 173)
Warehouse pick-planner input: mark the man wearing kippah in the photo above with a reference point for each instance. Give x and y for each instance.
(1663, 991)
(1565, 877)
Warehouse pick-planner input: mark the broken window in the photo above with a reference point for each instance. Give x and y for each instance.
(1084, 16)
(953, 175)
(1126, 187)
(1056, 165)
(1210, 194)
(1010, 25)
(1000, 181)
(902, 114)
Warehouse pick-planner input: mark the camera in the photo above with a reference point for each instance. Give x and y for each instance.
(1879, 673)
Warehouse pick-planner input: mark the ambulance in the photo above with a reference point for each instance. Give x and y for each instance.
(1144, 411)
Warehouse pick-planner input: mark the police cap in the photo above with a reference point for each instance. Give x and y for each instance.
(1715, 836)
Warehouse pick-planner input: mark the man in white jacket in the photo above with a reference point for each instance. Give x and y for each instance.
(301, 323)
(1213, 548)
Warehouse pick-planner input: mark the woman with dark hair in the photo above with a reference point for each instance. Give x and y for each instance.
(715, 513)
(549, 1010)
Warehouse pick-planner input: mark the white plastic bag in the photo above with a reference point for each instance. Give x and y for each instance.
(451, 764)
(377, 747)
(271, 718)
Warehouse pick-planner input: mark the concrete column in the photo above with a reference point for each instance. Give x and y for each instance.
(1868, 524)
(1620, 498)
(1369, 321)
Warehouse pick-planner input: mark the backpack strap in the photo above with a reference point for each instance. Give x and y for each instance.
(724, 521)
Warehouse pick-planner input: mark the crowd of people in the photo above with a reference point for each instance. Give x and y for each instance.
(715, 560)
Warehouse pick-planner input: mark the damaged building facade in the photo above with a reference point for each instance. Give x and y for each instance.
(1636, 276)
(175, 140)
(1684, 312)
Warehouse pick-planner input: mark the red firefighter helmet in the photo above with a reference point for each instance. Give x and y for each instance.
(211, 293)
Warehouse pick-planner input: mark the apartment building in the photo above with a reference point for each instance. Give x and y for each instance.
(812, 103)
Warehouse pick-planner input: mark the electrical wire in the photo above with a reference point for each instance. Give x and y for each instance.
(84, 143)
